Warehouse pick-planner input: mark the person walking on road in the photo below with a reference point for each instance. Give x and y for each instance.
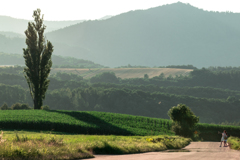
(225, 140)
(224, 136)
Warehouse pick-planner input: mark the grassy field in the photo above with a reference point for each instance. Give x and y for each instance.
(100, 123)
(125, 72)
(35, 145)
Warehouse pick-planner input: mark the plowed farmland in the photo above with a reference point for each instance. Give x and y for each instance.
(125, 72)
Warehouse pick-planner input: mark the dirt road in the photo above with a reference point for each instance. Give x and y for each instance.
(194, 151)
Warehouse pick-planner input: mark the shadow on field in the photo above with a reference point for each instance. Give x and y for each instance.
(94, 125)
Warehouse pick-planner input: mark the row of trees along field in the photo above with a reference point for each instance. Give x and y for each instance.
(200, 77)
(127, 101)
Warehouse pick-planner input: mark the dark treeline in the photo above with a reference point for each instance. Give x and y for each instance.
(201, 92)
(151, 97)
(180, 66)
(127, 101)
(229, 68)
(169, 66)
(198, 77)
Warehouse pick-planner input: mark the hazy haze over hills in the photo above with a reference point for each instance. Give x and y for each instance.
(9, 24)
(170, 34)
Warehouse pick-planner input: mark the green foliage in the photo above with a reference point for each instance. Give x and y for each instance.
(135, 66)
(37, 57)
(101, 123)
(184, 120)
(19, 106)
(181, 66)
(146, 76)
(108, 77)
(150, 100)
(209, 132)
(136, 96)
(62, 76)
(16, 106)
(45, 107)
(4, 107)
(234, 143)
(84, 122)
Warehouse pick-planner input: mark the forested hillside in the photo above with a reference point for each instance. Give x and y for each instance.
(175, 34)
(151, 97)
(170, 34)
(58, 61)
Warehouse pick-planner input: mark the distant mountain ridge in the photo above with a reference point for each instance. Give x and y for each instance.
(170, 34)
(9, 24)
(175, 34)
(58, 61)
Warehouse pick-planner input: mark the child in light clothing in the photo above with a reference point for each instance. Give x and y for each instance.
(223, 138)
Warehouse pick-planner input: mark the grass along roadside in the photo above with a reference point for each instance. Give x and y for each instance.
(36, 145)
(234, 143)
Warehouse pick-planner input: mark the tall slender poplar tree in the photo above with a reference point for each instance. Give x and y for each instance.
(37, 57)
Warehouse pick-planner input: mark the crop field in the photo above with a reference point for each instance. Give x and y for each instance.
(125, 72)
(99, 123)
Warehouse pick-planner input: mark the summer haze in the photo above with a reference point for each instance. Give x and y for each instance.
(160, 77)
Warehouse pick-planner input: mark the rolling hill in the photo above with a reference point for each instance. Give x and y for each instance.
(171, 34)
(58, 61)
(175, 34)
(10, 24)
(125, 72)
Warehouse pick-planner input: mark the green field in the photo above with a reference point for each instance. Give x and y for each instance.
(41, 134)
(125, 72)
(100, 123)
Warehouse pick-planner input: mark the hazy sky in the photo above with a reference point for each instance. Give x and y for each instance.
(94, 9)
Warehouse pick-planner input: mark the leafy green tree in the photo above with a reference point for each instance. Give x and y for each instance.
(4, 107)
(184, 120)
(37, 57)
(107, 77)
(146, 76)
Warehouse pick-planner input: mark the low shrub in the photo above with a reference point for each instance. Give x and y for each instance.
(45, 107)
(4, 107)
(19, 106)
(234, 143)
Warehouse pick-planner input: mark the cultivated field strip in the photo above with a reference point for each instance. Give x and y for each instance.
(125, 72)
